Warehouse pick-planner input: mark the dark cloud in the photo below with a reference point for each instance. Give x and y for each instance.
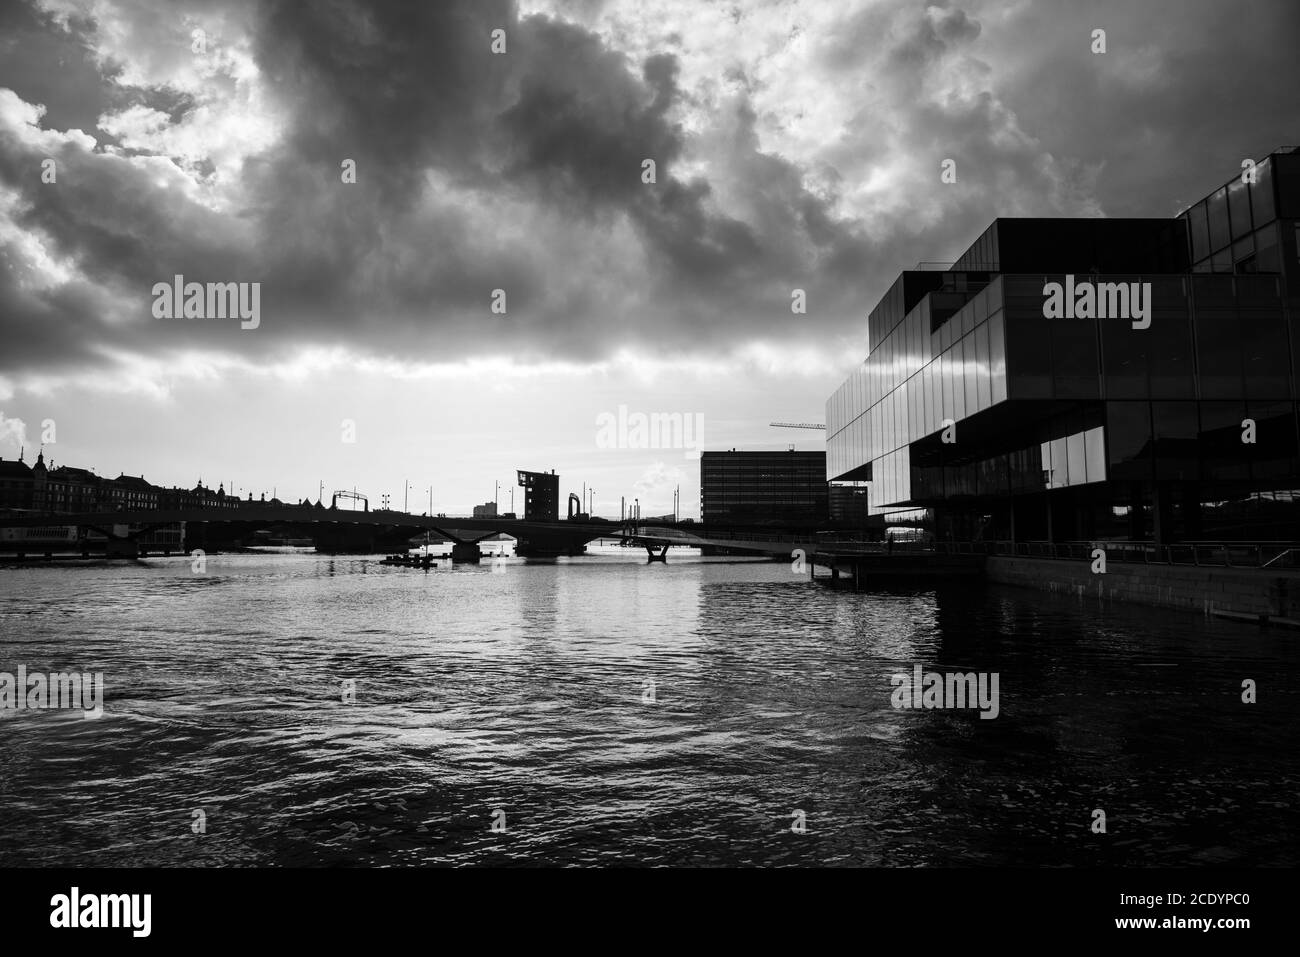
(1183, 93)
(47, 65)
(522, 171)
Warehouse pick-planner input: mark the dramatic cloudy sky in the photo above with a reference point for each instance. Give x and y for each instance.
(798, 145)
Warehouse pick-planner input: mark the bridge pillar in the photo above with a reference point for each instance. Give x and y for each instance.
(466, 552)
(121, 548)
(339, 539)
(652, 557)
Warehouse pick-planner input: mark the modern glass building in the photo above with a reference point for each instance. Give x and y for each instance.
(1159, 404)
(755, 487)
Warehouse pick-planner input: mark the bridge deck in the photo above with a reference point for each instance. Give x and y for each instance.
(658, 534)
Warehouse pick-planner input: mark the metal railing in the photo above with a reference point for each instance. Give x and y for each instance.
(1275, 555)
(1271, 555)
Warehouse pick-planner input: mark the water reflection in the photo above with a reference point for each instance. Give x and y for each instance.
(624, 712)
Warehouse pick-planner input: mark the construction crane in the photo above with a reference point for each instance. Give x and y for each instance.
(796, 425)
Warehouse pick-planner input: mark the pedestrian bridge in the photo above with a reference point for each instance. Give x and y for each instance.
(122, 527)
(849, 558)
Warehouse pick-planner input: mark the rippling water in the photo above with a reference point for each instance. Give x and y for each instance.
(521, 690)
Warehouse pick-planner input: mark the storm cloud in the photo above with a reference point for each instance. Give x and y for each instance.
(792, 150)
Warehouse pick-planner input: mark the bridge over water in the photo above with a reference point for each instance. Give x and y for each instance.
(123, 527)
(357, 531)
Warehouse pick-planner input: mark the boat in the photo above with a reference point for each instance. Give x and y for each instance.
(409, 561)
(40, 538)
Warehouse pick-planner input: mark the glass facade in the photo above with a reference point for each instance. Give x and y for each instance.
(915, 380)
(973, 402)
(1234, 229)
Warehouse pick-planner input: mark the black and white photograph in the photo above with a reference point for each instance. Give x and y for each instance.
(853, 437)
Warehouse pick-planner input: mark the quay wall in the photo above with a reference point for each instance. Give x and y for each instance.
(1252, 594)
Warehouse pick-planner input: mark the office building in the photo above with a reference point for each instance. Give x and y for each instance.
(755, 487)
(1092, 379)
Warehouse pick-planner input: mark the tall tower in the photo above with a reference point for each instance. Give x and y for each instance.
(541, 495)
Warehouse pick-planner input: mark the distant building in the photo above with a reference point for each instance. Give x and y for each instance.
(541, 495)
(69, 489)
(15, 484)
(40, 480)
(849, 505)
(47, 489)
(130, 492)
(486, 510)
(65, 490)
(201, 497)
(754, 487)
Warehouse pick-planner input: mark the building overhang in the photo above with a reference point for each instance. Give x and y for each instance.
(861, 473)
